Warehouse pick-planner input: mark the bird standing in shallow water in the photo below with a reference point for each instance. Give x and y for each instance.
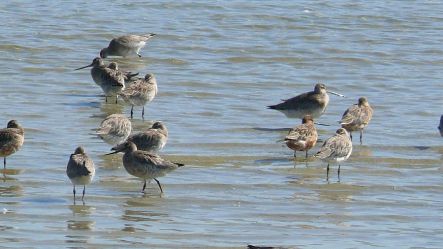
(80, 169)
(312, 103)
(151, 140)
(140, 92)
(302, 137)
(125, 45)
(337, 148)
(115, 129)
(128, 75)
(357, 117)
(111, 81)
(143, 164)
(11, 140)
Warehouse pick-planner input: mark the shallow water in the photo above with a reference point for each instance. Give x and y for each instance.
(218, 65)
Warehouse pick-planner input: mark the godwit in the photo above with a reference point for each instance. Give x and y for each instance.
(302, 137)
(151, 140)
(357, 117)
(11, 140)
(125, 45)
(140, 92)
(111, 81)
(311, 103)
(80, 169)
(128, 75)
(115, 129)
(337, 148)
(143, 164)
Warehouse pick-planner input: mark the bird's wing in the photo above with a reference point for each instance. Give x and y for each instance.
(146, 139)
(129, 41)
(351, 114)
(298, 133)
(7, 136)
(302, 101)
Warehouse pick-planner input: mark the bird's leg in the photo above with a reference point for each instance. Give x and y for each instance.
(306, 154)
(83, 195)
(143, 112)
(106, 99)
(295, 154)
(339, 173)
(350, 135)
(144, 186)
(161, 190)
(116, 99)
(132, 110)
(73, 191)
(4, 163)
(361, 136)
(327, 173)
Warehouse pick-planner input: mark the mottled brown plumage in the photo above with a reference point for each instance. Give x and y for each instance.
(80, 169)
(115, 129)
(127, 75)
(143, 164)
(337, 148)
(111, 81)
(140, 92)
(151, 140)
(302, 137)
(11, 139)
(357, 117)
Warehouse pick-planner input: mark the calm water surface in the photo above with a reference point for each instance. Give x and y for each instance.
(218, 65)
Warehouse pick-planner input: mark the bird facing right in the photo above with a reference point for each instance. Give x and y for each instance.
(312, 103)
(11, 139)
(143, 164)
(357, 117)
(337, 148)
(128, 75)
(153, 139)
(140, 92)
(80, 169)
(302, 137)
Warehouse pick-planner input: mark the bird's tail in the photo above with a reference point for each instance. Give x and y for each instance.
(149, 35)
(179, 164)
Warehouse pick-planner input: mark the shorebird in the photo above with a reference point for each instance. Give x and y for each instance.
(111, 81)
(114, 129)
(80, 169)
(311, 103)
(125, 45)
(302, 137)
(357, 117)
(440, 127)
(337, 148)
(11, 139)
(151, 140)
(143, 164)
(128, 75)
(140, 92)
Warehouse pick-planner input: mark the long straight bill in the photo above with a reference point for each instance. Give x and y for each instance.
(338, 94)
(90, 65)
